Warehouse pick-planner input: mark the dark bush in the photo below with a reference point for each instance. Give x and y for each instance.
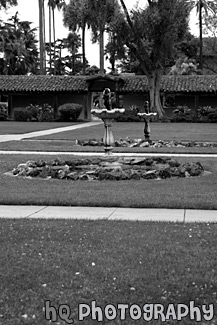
(33, 111)
(3, 116)
(3, 111)
(184, 114)
(207, 114)
(130, 115)
(69, 112)
(44, 113)
(22, 115)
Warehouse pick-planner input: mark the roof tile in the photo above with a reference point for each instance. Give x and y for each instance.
(131, 84)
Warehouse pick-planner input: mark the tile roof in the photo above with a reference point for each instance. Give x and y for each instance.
(42, 83)
(179, 84)
(130, 84)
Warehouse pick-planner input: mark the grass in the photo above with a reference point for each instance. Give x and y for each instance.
(77, 261)
(12, 127)
(67, 146)
(165, 131)
(191, 193)
(159, 131)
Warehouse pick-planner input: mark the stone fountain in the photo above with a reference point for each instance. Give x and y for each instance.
(104, 110)
(146, 116)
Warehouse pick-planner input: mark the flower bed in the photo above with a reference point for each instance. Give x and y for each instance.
(108, 168)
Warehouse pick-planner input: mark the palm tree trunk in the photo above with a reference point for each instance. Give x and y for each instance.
(50, 35)
(83, 48)
(54, 39)
(44, 38)
(101, 51)
(41, 36)
(201, 36)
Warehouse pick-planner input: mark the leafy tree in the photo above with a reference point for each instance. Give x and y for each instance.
(153, 34)
(69, 64)
(18, 47)
(210, 42)
(184, 66)
(73, 43)
(6, 3)
(115, 48)
(188, 47)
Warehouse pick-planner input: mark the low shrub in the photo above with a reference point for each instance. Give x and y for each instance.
(3, 116)
(22, 115)
(3, 111)
(69, 112)
(207, 114)
(33, 111)
(44, 113)
(204, 114)
(184, 114)
(130, 115)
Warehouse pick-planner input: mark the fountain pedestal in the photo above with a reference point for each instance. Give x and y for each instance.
(147, 129)
(107, 117)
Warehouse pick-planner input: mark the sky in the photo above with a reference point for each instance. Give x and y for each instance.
(28, 10)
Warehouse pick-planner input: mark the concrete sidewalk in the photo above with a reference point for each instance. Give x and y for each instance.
(96, 154)
(96, 213)
(16, 137)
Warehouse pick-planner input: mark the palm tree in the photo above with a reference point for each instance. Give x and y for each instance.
(49, 6)
(42, 35)
(53, 4)
(76, 15)
(102, 13)
(200, 6)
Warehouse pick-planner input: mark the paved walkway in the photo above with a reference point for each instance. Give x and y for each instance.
(11, 137)
(96, 213)
(119, 154)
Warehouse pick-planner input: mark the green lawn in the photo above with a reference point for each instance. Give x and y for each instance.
(12, 127)
(195, 193)
(64, 141)
(68, 146)
(159, 131)
(112, 262)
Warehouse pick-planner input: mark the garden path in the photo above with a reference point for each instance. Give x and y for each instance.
(11, 137)
(96, 213)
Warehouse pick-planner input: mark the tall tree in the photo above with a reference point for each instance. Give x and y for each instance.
(153, 33)
(49, 7)
(42, 36)
(115, 48)
(203, 6)
(76, 16)
(102, 13)
(54, 4)
(73, 43)
(18, 46)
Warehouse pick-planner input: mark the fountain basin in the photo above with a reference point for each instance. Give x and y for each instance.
(107, 114)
